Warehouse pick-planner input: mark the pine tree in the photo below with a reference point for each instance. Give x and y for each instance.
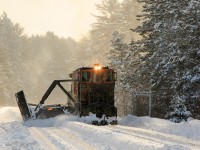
(189, 80)
(117, 61)
(10, 55)
(102, 30)
(114, 16)
(177, 110)
(127, 16)
(170, 44)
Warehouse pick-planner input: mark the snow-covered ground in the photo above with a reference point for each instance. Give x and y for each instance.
(71, 132)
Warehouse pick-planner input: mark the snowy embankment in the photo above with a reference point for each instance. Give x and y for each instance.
(71, 132)
(189, 129)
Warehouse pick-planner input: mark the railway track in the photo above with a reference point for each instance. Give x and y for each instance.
(77, 135)
(152, 136)
(54, 139)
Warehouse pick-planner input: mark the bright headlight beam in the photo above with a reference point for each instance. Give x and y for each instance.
(97, 67)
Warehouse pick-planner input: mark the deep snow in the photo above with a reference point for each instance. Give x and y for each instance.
(63, 132)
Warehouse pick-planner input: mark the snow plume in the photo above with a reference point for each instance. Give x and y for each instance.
(36, 69)
(12, 114)
(60, 121)
(37, 65)
(9, 114)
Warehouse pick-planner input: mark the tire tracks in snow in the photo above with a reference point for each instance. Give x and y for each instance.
(54, 139)
(163, 138)
(105, 138)
(77, 135)
(42, 139)
(72, 138)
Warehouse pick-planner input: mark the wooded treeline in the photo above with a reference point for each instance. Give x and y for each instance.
(153, 45)
(32, 63)
(154, 48)
(166, 60)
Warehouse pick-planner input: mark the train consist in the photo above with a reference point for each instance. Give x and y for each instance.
(92, 91)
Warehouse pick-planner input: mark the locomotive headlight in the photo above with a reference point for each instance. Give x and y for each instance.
(97, 67)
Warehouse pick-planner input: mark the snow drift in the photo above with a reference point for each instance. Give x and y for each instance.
(10, 114)
(189, 129)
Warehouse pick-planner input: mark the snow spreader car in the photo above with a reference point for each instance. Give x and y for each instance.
(92, 92)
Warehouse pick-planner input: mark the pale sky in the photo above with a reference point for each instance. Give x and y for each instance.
(63, 17)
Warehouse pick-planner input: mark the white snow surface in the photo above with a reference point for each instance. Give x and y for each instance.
(71, 132)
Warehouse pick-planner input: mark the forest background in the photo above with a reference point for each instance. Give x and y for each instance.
(153, 45)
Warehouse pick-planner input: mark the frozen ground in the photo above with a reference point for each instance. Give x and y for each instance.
(71, 132)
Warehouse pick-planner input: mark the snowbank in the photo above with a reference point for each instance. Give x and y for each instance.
(10, 114)
(189, 129)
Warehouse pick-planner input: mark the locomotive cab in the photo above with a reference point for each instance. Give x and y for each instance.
(93, 90)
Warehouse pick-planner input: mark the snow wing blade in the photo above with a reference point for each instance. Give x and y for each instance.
(23, 106)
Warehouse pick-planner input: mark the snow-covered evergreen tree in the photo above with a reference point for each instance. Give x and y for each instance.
(117, 59)
(177, 110)
(103, 28)
(170, 40)
(125, 59)
(118, 52)
(188, 84)
(114, 16)
(133, 80)
(10, 54)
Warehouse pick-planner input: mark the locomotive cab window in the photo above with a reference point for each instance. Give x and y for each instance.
(86, 76)
(99, 77)
(109, 76)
